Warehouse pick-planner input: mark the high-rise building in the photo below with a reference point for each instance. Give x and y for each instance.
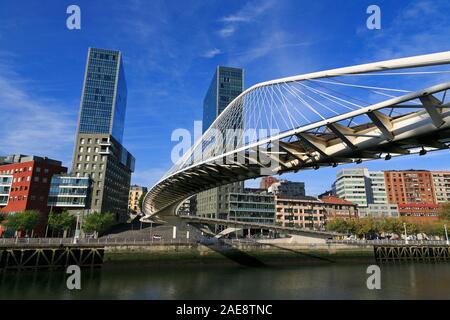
(411, 186)
(378, 187)
(414, 193)
(227, 84)
(99, 153)
(441, 180)
(367, 189)
(29, 179)
(354, 185)
(136, 193)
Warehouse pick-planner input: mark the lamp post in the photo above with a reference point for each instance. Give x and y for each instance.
(76, 235)
(446, 235)
(406, 236)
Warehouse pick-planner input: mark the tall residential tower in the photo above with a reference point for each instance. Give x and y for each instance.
(227, 84)
(99, 153)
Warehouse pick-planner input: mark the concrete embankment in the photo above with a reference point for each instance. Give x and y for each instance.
(243, 254)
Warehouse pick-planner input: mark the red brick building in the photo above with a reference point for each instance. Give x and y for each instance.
(414, 192)
(30, 185)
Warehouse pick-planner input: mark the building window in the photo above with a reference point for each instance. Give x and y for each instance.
(38, 169)
(82, 140)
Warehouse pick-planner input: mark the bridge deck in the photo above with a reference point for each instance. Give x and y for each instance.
(289, 230)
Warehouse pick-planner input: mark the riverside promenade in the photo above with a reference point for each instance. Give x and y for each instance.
(56, 253)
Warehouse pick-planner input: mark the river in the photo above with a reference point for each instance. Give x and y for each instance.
(335, 281)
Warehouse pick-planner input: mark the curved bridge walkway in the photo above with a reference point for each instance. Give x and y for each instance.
(348, 115)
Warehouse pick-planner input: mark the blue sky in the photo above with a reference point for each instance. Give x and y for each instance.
(171, 49)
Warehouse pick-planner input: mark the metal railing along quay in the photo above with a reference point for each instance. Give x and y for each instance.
(390, 242)
(52, 242)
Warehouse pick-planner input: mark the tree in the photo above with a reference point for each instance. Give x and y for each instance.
(99, 222)
(23, 221)
(444, 212)
(2, 217)
(338, 225)
(61, 221)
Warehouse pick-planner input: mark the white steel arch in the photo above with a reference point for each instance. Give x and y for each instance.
(320, 119)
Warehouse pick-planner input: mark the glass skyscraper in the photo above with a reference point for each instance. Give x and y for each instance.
(226, 84)
(99, 153)
(104, 99)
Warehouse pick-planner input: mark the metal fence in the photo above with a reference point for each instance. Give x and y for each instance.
(390, 242)
(11, 242)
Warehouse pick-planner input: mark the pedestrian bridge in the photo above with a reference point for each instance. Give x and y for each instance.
(348, 115)
(306, 233)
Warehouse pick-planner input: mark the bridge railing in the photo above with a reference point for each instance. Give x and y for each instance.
(389, 242)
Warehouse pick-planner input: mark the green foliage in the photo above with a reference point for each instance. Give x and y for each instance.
(339, 225)
(444, 212)
(23, 221)
(371, 226)
(61, 221)
(99, 222)
(2, 217)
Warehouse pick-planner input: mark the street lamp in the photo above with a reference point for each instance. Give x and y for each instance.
(446, 234)
(406, 236)
(76, 236)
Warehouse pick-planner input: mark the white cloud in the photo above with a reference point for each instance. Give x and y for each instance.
(212, 53)
(247, 13)
(33, 125)
(227, 31)
(418, 28)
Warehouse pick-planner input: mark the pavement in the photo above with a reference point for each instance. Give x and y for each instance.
(139, 230)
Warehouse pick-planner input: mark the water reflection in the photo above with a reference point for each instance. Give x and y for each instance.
(336, 281)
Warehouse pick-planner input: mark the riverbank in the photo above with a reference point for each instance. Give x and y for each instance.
(242, 254)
